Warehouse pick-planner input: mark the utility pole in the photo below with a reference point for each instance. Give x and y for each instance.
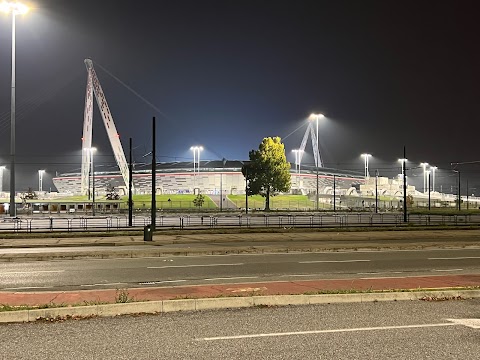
(130, 179)
(458, 195)
(376, 191)
(467, 194)
(429, 191)
(404, 187)
(154, 178)
(334, 193)
(246, 189)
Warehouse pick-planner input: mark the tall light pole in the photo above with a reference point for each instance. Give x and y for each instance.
(196, 162)
(1, 177)
(14, 8)
(433, 177)
(40, 180)
(298, 156)
(424, 165)
(317, 117)
(401, 161)
(428, 187)
(366, 156)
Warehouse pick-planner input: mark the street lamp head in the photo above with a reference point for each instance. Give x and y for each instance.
(402, 160)
(314, 116)
(14, 7)
(433, 167)
(196, 148)
(366, 155)
(41, 171)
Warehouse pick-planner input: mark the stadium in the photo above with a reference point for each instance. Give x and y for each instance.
(210, 178)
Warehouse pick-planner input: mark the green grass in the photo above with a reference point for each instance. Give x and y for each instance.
(141, 201)
(176, 201)
(292, 202)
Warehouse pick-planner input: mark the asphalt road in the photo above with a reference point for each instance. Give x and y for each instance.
(392, 330)
(194, 270)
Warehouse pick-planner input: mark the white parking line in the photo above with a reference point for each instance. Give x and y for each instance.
(189, 266)
(325, 331)
(331, 261)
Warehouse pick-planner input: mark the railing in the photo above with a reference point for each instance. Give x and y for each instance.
(196, 221)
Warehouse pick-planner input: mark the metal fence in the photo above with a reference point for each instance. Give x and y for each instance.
(120, 222)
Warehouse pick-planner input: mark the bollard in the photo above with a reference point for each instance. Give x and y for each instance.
(147, 233)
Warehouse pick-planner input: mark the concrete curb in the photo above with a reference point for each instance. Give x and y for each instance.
(165, 306)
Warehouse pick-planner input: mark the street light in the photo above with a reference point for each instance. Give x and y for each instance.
(433, 177)
(366, 156)
(40, 180)
(1, 177)
(196, 149)
(15, 8)
(316, 117)
(298, 158)
(401, 161)
(424, 165)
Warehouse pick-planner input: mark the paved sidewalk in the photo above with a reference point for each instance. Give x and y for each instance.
(243, 289)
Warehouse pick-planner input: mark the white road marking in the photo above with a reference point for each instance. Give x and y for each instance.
(456, 258)
(189, 266)
(325, 331)
(105, 284)
(331, 261)
(231, 278)
(447, 270)
(31, 272)
(473, 323)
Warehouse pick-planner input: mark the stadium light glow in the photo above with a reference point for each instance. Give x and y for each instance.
(366, 156)
(424, 165)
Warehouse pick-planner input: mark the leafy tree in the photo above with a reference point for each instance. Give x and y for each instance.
(268, 171)
(199, 200)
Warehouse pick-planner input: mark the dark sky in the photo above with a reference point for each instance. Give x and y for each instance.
(225, 74)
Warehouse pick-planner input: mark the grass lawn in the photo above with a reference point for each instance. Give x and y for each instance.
(293, 202)
(142, 201)
(176, 201)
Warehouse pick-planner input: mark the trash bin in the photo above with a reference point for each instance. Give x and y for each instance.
(147, 233)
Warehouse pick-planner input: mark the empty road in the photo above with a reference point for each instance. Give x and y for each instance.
(194, 270)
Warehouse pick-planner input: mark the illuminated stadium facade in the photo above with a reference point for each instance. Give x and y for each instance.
(213, 177)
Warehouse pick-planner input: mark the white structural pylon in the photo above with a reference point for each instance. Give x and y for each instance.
(94, 87)
(316, 152)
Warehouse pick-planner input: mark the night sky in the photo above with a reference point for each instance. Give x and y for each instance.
(225, 74)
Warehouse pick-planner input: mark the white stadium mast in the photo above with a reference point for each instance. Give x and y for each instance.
(94, 87)
(316, 151)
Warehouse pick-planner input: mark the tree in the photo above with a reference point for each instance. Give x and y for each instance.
(268, 171)
(198, 201)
